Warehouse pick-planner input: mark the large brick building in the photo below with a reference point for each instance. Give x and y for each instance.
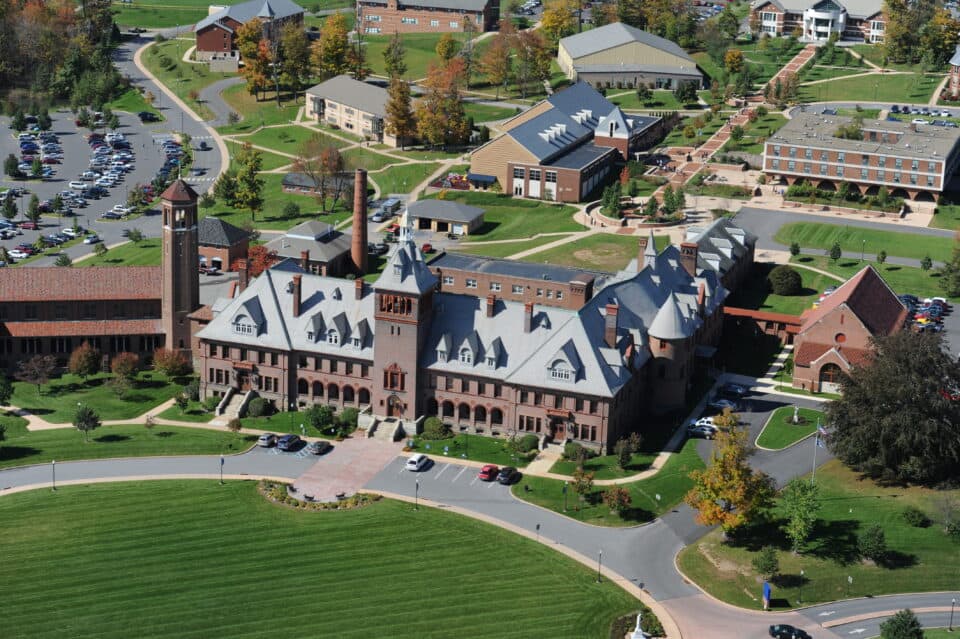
(836, 335)
(426, 16)
(216, 33)
(816, 20)
(913, 161)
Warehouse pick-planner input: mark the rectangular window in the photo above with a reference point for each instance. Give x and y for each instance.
(471, 283)
(539, 292)
(481, 388)
(915, 165)
(791, 166)
(881, 175)
(448, 280)
(273, 359)
(839, 171)
(518, 173)
(776, 150)
(434, 23)
(495, 286)
(864, 160)
(929, 180)
(792, 152)
(841, 157)
(896, 178)
(863, 174)
(551, 177)
(823, 169)
(559, 295)
(454, 24)
(408, 20)
(898, 163)
(373, 18)
(372, 30)
(808, 154)
(534, 175)
(913, 178)
(775, 164)
(517, 289)
(524, 397)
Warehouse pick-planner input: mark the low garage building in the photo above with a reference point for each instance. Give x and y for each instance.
(445, 217)
(220, 243)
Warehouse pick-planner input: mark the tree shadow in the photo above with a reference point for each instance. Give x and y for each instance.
(38, 411)
(164, 434)
(756, 536)
(485, 228)
(109, 439)
(17, 452)
(836, 541)
(894, 560)
(790, 581)
(637, 515)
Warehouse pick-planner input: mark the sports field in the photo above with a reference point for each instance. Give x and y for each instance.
(195, 559)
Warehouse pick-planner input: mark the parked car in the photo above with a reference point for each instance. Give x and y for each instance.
(73, 232)
(319, 447)
(489, 472)
(266, 440)
(417, 462)
(786, 631)
(894, 109)
(30, 226)
(706, 432)
(91, 239)
(721, 404)
(377, 217)
(508, 475)
(78, 185)
(288, 442)
(734, 390)
(391, 205)
(427, 247)
(453, 236)
(203, 146)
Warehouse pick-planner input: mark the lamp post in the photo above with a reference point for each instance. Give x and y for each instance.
(292, 406)
(599, 566)
(800, 598)
(863, 246)
(565, 485)
(53, 469)
(221, 470)
(538, 532)
(416, 495)
(953, 602)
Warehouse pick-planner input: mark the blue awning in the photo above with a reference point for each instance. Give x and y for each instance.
(483, 179)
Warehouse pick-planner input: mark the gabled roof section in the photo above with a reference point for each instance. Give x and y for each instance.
(550, 134)
(406, 271)
(45, 284)
(362, 96)
(212, 231)
(179, 192)
(869, 297)
(246, 11)
(568, 353)
(266, 11)
(582, 98)
(614, 35)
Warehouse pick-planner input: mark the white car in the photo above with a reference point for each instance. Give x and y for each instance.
(918, 121)
(105, 181)
(17, 254)
(705, 421)
(417, 462)
(89, 175)
(701, 431)
(121, 209)
(721, 404)
(71, 232)
(78, 185)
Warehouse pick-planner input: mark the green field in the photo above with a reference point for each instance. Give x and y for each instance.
(162, 15)
(58, 399)
(271, 161)
(947, 217)
(256, 113)
(194, 413)
(606, 466)
(899, 88)
(402, 178)
(818, 72)
(754, 293)
(756, 133)
(288, 139)
(132, 101)
(920, 559)
(147, 253)
(474, 447)
(506, 218)
(780, 431)
(875, 53)
(505, 249)
(670, 483)
(420, 47)
(196, 559)
(902, 279)
(179, 76)
(602, 251)
(22, 447)
(487, 112)
(676, 137)
(853, 239)
(713, 70)
(662, 100)
(360, 158)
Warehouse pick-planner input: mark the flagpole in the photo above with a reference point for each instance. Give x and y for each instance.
(816, 445)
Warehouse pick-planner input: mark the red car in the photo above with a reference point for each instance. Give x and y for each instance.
(488, 473)
(30, 226)
(427, 248)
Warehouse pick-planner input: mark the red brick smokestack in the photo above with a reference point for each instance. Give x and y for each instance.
(244, 275)
(358, 289)
(610, 325)
(491, 305)
(358, 248)
(296, 295)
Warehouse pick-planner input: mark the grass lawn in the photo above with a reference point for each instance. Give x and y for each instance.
(132, 101)
(475, 447)
(147, 253)
(505, 249)
(628, 101)
(194, 413)
(423, 154)
(158, 548)
(920, 559)
(603, 252)
(780, 431)
(874, 53)
(58, 399)
(814, 235)
(947, 217)
(402, 178)
(179, 76)
(671, 483)
(257, 113)
(755, 291)
(707, 64)
(359, 158)
(676, 138)
(170, 13)
(420, 47)
(755, 133)
(825, 72)
(270, 160)
(898, 88)
(287, 422)
(507, 218)
(902, 279)
(23, 447)
(487, 112)
(288, 138)
(605, 466)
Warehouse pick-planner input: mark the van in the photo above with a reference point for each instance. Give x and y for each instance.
(391, 205)
(417, 462)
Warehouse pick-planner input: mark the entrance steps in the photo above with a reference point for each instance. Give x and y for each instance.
(386, 430)
(232, 409)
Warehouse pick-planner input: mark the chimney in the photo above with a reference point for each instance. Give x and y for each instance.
(358, 247)
(357, 289)
(491, 304)
(305, 261)
(610, 326)
(641, 250)
(296, 294)
(244, 276)
(528, 317)
(688, 257)
(701, 299)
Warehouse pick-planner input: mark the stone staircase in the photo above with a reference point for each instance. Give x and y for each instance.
(385, 430)
(232, 409)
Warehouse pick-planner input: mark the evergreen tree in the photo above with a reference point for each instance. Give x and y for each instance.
(394, 57)
(399, 121)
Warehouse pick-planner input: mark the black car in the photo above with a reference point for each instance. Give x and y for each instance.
(734, 390)
(786, 631)
(146, 116)
(894, 109)
(508, 475)
(288, 442)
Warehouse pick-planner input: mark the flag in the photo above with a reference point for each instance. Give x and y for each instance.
(821, 430)
(820, 443)
(221, 460)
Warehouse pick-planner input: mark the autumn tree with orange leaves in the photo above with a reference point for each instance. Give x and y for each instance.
(259, 259)
(440, 117)
(256, 55)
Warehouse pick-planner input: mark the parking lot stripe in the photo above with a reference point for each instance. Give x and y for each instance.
(445, 466)
(475, 477)
(458, 474)
(490, 483)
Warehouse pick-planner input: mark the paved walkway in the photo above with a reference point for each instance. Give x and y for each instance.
(795, 64)
(355, 463)
(210, 95)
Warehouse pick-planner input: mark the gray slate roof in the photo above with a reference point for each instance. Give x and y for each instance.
(213, 231)
(691, 72)
(720, 244)
(855, 8)
(461, 5)
(581, 98)
(514, 268)
(614, 35)
(362, 96)
(246, 11)
(550, 133)
(322, 240)
(406, 271)
(446, 211)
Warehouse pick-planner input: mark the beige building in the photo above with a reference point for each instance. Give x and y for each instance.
(618, 54)
(357, 107)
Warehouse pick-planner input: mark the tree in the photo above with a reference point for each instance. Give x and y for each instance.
(254, 51)
(394, 57)
(729, 493)
(836, 252)
(896, 417)
(872, 543)
(882, 257)
(100, 249)
(36, 370)
(86, 420)
(33, 208)
(434, 428)
(295, 49)
(320, 417)
(651, 207)
(903, 625)
(290, 210)
(729, 23)
(259, 259)
(736, 133)
(533, 58)
(182, 402)
(624, 452)
(440, 117)
(496, 62)
(234, 425)
(135, 236)
(320, 160)
(6, 390)
(939, 37)
(785, 280)
(84, 361)
(125, 365)
(64, 260)
(926, 263)
(446, 47)
(617, 499)
(249, 194)
(357, 58)
(18, 122)
(767, 563)
(225, 188)
(331, 53)
(795, 249)
(171, 363)
(733, 60)
(801, 502)
(11, 166)
(399, 122)
(644, 94)
(686, 92)
(557, 20)
(582, 483)
(949, 272)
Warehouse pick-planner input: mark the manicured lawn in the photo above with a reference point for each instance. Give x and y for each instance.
(402, 178)
(487, 112)
(132, 101)
(897, 88)
(179, 76)
(359, 158)
(288, 138)
(475, 447)
(755, 292)
(676, 137)
(23, 447)
(147, 253)
(947, 217)
(423, 154)
(58, 399)
(671, 483)
(421, 51)
(603, 252)
(257, 113)
(780, 431)
(818, 72)
(921, 559)
(161, 548)
(270, 160)
(628, 101)
(194, 413)
(506, 218)
(287, 422)
(157, 16)
(505, 249)
(707, 64)
(815, 235)
(756, 132)
(605, 466)
(902, 279)
(874, 53)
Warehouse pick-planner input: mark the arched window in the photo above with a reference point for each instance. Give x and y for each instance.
(333, 337)
(830, 373)
(463, 411)
(348, 394)
(496, 416)
(448, 409)
(466, 356)
(561, 371)
(364, 396)
(302, 386)
(480, 414)
(244, 326)
(333, 392)
(317, 389)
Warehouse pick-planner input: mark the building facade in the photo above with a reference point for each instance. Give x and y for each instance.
(817, 20)
(216, 33)
(221, 243)
(376, 17)
(913, 161)
(352, 105)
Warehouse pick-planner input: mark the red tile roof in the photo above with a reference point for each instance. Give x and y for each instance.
(82, 328)
(179, 192)
(809, 352)
(870, 299)
(41, 284)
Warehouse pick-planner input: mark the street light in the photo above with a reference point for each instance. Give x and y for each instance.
(416, 495)
(292, 406)
(565, 484)
(221, 470)
(53, 469)
(800, 598)
(599, 565)
(953, 602)
(863, 246)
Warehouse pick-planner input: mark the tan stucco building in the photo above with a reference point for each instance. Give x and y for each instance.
(354, 106)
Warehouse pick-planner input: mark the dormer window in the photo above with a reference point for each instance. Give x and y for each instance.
(310, 335)
(333, 337)
(356, 342)
(491, 361)
(243, 326)
(442, 356)
(466, 356)
(398, 269)
(561, 371)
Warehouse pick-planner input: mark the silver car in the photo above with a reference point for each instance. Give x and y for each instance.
(267, 440)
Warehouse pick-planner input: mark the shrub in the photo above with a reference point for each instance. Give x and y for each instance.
(125, 365)
(320, 416)
(572, 449)
(785, 280)
(348, 419)
(527, 443)
(234, 425)
(258, 407)
(433, 428)
(192, 390)
(873, 543)
(915, 517)
(210, 403)
(617, 499)
(953, 530)
(766, 562)
(171, 363)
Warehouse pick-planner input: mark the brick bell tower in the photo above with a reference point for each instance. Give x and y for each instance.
(180, 260)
